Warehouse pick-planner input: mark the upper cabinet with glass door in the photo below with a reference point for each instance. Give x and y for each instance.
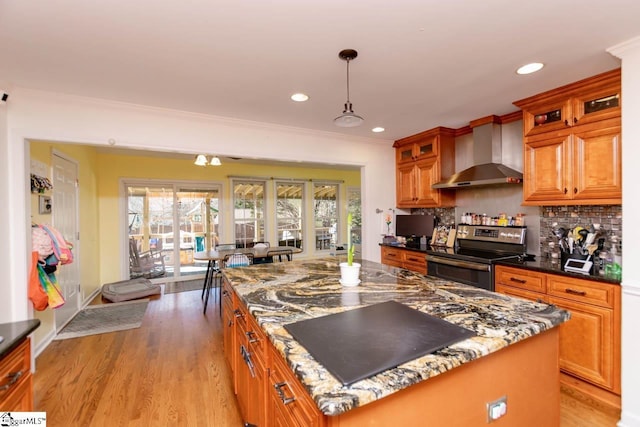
(418, 150)
(587, 101)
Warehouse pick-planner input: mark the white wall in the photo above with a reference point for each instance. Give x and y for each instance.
(47, 116)
(629, 52)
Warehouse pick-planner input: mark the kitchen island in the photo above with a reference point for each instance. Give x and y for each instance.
(514, 352)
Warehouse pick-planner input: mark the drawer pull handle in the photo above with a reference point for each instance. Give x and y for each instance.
(225, 293)
(574, 292)
(513, 279)
(285, 400)
(13, 378)
(392, 255)
(250, 334)
(414, 259)
(238, 313)
(247, 359)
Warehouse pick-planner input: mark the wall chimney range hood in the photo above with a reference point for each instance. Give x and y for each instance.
(487, 166)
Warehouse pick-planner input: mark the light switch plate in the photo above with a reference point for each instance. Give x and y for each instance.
(44, 204)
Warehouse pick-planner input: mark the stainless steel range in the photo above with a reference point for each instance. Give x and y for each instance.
(477, 248)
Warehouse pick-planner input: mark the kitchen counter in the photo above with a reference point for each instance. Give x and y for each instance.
(420, 248)
(13, 334)
(547, 266)
(283, 293)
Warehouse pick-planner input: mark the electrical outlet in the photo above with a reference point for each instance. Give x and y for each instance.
(496, 409)
(44, 204)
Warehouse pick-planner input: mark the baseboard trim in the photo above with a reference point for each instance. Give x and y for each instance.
(44, 343)
(604, 400)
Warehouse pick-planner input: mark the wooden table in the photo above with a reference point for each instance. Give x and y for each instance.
(215, 256)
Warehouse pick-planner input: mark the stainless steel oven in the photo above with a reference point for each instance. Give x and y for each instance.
(477, 249)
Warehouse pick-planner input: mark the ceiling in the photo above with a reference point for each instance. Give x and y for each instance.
(421, 64)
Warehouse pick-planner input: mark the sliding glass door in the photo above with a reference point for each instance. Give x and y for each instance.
(167, 223)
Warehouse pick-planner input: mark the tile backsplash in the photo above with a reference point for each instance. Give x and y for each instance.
(609, 217)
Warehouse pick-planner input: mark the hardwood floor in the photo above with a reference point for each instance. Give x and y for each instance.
(171, 371)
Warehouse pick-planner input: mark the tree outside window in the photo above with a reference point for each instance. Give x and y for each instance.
(248, 214)
(289, 214)
(326, 220)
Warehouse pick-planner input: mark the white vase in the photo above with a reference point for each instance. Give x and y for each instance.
(349, 274)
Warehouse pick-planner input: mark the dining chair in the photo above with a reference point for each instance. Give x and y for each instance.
(286, 253)
(213, 276)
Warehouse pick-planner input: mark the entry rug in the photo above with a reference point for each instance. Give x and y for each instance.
(105, 318)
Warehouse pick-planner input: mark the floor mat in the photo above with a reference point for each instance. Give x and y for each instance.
(105, 318)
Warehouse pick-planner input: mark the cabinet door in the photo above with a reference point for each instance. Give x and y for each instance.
(586, 344)
(597, 168)
(405, 154)
(547, 174)
(597, 104)
(405, 185)
(427, 173)
(291, 405)
(427, 148)
(547, 115)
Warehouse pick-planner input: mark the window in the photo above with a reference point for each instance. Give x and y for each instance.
(289, 215)
(172, 219)
(248, 213)
(325, 214)
(354, 207)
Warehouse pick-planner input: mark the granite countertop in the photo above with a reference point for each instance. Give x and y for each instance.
(282, 293)
(13, 334)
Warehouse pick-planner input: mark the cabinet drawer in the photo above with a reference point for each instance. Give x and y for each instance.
(392, 256)
(227, 295)
(13, 368)
(584, 291)
(521, 293)
(519, 278)
(257, 342)
(289, 397)
(415, 261)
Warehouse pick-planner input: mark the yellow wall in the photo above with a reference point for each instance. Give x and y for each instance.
(100, 224)
(89, 253)
(113, 167)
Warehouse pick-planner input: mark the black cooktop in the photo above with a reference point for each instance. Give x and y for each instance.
(357, 344)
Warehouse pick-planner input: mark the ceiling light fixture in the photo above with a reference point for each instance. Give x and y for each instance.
(530, 68)
(348, 118)
(299, 97)
(202, 160)
(377, 129)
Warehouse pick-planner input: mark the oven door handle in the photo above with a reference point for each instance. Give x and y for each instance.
(458, 263)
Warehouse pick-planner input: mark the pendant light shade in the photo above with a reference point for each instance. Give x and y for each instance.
(201, 160)
(348, 118)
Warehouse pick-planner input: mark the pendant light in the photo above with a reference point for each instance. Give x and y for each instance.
(348, 118)
(201, 160)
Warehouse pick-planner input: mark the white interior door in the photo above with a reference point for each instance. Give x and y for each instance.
(65, 219)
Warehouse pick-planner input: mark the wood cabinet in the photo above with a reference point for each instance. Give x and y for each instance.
(16, 382)
(421, 161)
(229, 304)
(590, 341)
(572, 143)
(404, 258)
(291, 405)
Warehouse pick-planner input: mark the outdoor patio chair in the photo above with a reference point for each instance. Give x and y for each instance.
(148, 264)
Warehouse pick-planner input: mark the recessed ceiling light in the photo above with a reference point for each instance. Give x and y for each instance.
(377, 129)
(530, 68)
(299, 97)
